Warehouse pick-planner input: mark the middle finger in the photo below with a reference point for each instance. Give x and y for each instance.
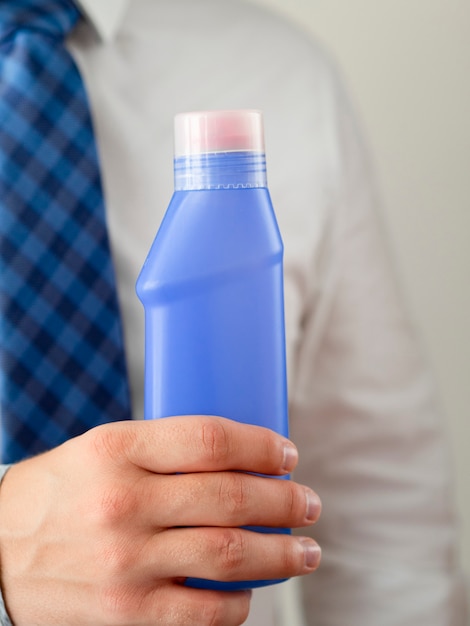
(227, 499)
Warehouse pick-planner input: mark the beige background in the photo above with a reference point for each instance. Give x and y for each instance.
(407, 63)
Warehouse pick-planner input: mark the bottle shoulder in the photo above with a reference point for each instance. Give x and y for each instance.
(206, 234)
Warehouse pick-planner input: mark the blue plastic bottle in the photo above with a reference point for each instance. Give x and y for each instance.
(212, 285)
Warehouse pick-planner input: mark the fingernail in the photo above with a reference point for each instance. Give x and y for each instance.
(313, 506)
(312, 553)
(290, 457)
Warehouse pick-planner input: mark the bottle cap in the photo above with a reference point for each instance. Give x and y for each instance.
(219, 131)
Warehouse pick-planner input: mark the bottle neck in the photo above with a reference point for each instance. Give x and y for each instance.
(220, 170)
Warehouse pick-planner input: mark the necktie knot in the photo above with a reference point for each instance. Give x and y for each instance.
(54, 18)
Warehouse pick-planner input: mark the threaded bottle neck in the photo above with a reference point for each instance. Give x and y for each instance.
(220, 170)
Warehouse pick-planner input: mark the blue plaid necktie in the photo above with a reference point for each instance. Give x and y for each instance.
(62, 367)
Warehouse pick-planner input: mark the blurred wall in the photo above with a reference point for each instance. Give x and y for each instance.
(407, 64)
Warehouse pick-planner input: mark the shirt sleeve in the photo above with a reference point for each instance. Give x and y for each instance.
(4, 619)
(365, 417)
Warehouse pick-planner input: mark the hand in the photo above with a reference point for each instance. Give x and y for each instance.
(104, 529)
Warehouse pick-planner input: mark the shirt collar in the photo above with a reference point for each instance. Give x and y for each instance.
(104, 15)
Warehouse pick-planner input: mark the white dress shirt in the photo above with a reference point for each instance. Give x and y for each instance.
(362, 405)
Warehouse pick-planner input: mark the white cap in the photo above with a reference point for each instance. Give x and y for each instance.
(218, 131)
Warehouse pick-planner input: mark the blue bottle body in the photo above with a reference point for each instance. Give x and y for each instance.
(212, 288)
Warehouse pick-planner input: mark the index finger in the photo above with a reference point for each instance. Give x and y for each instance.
(200, 443)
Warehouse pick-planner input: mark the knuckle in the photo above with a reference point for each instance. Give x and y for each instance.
(108, 441)
(231, 550)
(292, 558)
(116, 559)
(233, 493)
(212, 609)
(215, 441)
(213, 613)
(115, 504)
(294, 502)
(119, 605)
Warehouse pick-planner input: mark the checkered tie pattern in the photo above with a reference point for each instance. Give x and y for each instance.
(62, 363)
